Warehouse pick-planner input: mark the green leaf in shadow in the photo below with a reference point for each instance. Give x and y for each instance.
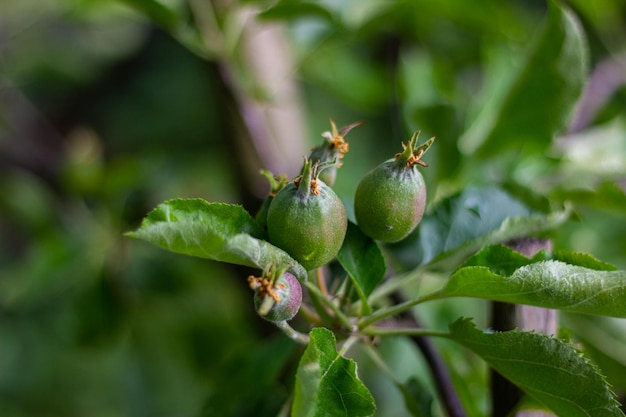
(549, 370)
(174, 20)
(217, 231)
(465, 222)
(417, 398)
(360, 256)
(160, 13)
(540, 101)
(327, 383)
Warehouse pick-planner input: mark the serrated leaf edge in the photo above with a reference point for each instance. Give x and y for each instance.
(578, 352)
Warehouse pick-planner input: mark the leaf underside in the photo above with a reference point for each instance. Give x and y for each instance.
(217, 231)
(362, 259)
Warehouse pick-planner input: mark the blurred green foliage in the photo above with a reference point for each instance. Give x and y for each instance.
(108, 108)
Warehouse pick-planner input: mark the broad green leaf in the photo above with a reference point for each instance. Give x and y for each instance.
(360, 256)
(549, 370)
(216, 231)
(327, 383)
(465, 222)
(540, 101)
(511, 228)
(500, 274)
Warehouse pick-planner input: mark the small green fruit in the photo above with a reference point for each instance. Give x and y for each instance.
(277, 300)
(390, 200)
(332, 149)
(307, 219)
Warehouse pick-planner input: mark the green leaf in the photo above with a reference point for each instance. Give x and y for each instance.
(216, 231)
(360, 256)
(157, 11)
(540, 101)
(603, 339)
(465, 222)
(500, 274)
(293, 9)
(336, 66)
(327, 383)
(442, 120)
(502, 259)
(549, 370)
(417, 398)
(606, 196)
(582, 259)
(174, 21)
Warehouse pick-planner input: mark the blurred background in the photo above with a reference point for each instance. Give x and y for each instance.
(108, 108)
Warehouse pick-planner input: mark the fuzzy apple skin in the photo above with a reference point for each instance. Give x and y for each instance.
(289, 291)
(390, 201)
(309, 226)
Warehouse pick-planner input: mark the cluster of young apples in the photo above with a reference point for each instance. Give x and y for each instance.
(307, 219)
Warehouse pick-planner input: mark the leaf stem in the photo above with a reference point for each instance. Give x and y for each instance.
(397, 309)
(316, 293)
(393, 284)
(316, 300)
(350, 341)
(292, 333)
(321, 281)
(309, 315)
(378, 360)
(388, 287)
(344, 295)
(403, 331)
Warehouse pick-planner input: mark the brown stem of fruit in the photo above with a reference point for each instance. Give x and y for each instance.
(321, 281)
